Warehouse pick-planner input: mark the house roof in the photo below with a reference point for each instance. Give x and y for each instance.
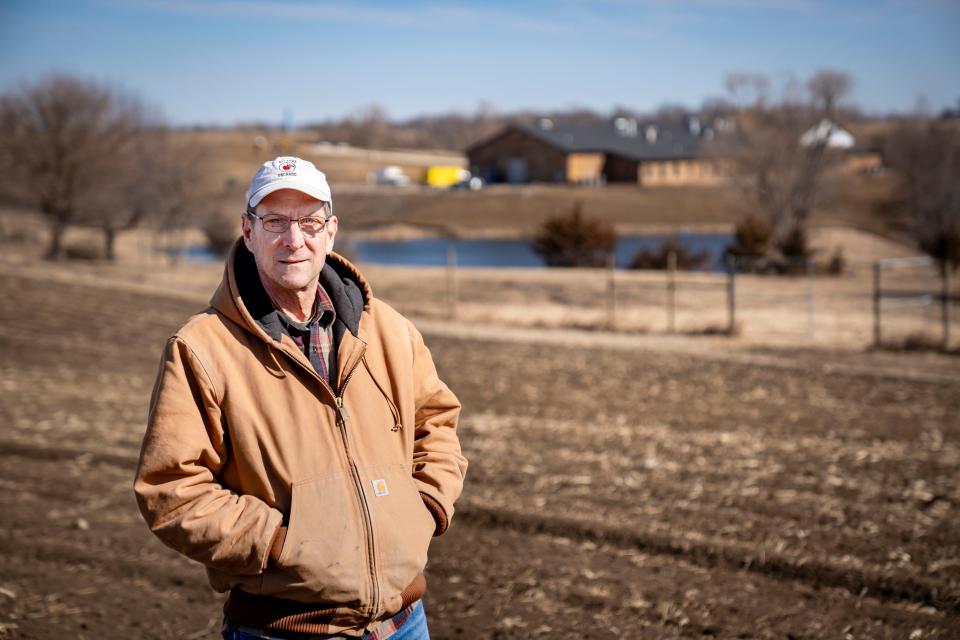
(835, 136)
(623, 137)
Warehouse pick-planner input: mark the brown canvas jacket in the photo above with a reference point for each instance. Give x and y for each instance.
(247, 447)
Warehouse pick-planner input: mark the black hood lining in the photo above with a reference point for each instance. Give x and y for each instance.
(335, 278)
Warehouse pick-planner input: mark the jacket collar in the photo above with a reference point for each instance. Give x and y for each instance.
(241, 296)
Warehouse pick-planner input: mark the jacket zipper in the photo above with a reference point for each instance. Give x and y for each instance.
(343, 415)
(358, 482)
(367, 519)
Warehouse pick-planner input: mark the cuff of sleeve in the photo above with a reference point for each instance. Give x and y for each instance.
(276, 545)
(439, 515)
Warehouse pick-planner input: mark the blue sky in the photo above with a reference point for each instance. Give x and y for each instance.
(224, 61)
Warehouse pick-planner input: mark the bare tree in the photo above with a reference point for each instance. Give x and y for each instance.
(125, 190)
(163, 183)
(828, 88)
(747, 90)
(780, 149)
(370, 127)
(63, 143)
(926, 154)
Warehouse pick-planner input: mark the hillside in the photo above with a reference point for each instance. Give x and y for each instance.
(507, 210)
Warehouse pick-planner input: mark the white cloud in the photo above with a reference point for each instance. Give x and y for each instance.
(401, 15)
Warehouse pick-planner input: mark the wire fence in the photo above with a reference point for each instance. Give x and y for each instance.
(787, 301)
(689, 301)
(907, 304)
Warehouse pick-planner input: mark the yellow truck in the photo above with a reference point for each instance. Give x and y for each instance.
(445, 176)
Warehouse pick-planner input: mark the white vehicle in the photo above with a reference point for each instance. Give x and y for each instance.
(391, 175)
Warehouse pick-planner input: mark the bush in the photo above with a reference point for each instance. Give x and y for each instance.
(83, 250)
(838, 263)
(573, 240)
(221, 229)
(751, 237)
(795, 243)
(660, 257)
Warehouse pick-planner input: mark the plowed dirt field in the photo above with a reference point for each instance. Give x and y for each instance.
(613, 492)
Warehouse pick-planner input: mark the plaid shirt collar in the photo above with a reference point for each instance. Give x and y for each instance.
(323, 313)
(315, 336)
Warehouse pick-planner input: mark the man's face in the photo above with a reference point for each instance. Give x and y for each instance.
(290, 260)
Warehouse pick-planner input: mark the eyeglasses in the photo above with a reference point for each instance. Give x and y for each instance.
(309, 225)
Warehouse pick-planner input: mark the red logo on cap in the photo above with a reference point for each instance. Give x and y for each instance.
(286, 165)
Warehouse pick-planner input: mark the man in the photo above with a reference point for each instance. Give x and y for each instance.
(300, 444)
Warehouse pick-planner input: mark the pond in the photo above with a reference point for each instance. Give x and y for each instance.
(507, 252)
(501, 252)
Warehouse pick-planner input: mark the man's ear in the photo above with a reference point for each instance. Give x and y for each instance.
(247, 229)
(331, 231)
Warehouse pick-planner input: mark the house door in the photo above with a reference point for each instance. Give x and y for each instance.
(517, 170)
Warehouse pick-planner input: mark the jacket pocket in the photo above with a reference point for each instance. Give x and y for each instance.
(404, 528)
(324, 556)
(394, 412)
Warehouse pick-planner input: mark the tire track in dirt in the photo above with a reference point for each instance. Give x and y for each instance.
(710, 554)
(707, 553)
(40, 451)
(693, 348)
(545, 585)
(153, 569)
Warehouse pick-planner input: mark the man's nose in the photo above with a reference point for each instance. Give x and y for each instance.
(293, 236)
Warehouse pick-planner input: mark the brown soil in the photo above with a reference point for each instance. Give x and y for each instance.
(634, 490)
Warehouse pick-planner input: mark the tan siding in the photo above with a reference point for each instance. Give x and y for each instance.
(677, 172)
(584, 167)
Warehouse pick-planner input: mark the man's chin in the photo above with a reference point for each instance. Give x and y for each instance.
(297, 284)
(293, 281)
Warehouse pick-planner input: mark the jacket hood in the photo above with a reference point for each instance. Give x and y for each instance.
(242, 298)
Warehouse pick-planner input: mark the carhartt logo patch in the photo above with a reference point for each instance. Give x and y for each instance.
(380, 487)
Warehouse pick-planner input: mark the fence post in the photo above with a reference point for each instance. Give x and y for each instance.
(452, 293)
(731, 294)
(611, 291)
(811, 322)
(671, 291)
(877, 268)
(945, 301)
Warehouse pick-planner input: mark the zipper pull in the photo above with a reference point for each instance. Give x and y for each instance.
(342, 409)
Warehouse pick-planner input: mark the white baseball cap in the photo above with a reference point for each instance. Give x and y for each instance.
(287, 172)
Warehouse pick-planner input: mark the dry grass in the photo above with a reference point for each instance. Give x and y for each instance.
(771, 310)
(834, 312)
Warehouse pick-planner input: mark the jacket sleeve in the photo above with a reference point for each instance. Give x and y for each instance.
(438, 464)
(176, 484)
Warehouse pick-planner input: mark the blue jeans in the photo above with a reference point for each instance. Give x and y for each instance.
(413, 628)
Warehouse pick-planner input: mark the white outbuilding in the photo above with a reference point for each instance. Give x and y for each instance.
(836, 136)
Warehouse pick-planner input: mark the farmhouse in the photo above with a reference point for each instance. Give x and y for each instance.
(857, 158)
(620, 151)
